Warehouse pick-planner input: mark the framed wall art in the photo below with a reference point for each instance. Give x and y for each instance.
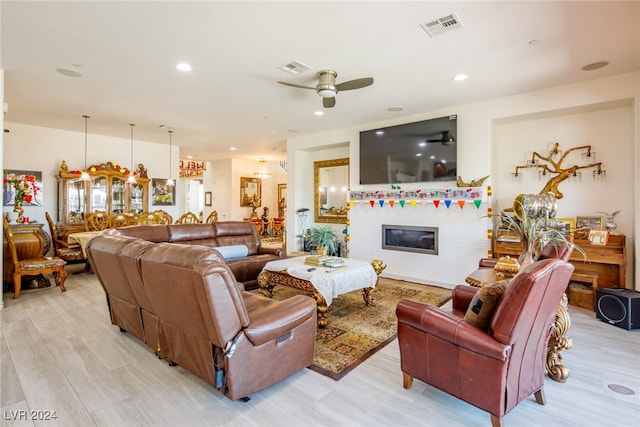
(30, 183)
(208, 198)
(567, 225)
(586, 223)
(161, 193)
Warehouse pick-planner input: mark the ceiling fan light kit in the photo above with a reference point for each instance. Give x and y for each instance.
(328, 89)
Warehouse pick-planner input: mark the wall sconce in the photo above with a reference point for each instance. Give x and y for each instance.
(547, 166)
(85, 175)
(263, 170)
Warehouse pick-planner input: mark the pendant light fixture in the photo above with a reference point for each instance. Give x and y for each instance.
(85, 175)
(263, 170)
(170, 180)
(131, 179)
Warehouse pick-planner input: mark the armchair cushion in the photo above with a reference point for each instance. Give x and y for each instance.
(484, 304)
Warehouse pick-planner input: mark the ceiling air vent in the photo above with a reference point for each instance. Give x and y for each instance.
(295, 67)
(441, 25)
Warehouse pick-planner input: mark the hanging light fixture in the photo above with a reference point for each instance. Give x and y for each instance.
(263, 170)
(132, 178)
(170, 180)
(85, 175)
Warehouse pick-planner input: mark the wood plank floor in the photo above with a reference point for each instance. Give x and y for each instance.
(60, 353)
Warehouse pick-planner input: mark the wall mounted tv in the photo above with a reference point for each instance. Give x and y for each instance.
(423, 151)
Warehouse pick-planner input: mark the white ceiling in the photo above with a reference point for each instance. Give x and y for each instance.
(127, 52)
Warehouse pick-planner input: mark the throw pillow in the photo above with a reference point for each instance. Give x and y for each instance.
(483, 304)
(233, 251)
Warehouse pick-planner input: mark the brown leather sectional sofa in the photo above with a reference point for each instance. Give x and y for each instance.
(221, 234)
(183, 302)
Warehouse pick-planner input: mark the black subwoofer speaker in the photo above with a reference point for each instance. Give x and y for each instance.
(619, 307)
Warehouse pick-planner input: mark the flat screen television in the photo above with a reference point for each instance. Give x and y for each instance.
(423, 151)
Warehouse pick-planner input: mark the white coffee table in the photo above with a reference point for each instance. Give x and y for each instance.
(322, 283)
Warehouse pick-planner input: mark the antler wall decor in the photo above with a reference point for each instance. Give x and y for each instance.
(549, 166)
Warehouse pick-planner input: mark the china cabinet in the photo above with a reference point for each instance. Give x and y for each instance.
(107, 191)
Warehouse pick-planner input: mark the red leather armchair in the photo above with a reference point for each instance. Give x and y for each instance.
(496, 369)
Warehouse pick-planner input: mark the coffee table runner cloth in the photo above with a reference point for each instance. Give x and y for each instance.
(330, 282)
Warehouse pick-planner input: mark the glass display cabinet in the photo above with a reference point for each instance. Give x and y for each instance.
(107, 191)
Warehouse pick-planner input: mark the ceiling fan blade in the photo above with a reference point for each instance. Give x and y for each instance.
(295, 85)
(328, 102)
(355, 84)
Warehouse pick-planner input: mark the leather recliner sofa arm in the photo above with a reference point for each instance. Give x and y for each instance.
(451, 328)
(275, 320)
(280, 252)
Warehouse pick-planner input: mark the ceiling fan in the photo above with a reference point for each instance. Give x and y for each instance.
(447, 138)
(327, 87)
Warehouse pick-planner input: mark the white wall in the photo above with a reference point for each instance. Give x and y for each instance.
(493, 137)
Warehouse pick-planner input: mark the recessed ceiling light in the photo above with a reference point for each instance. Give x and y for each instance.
(460, 77)
(183, 66)
(379, 132)
(595, 65)
(422, 144)
(232, 148)
(418, 154)
(319, 113)
(68, 73)
(394, 109)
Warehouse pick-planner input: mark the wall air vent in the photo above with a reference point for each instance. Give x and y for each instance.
(295, 67)
(442, 25)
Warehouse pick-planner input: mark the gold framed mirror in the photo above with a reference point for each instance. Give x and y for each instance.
(250, 191)
(331, 183)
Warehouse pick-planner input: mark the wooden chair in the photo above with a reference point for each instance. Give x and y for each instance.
(32, 267)
(119, 220)
(212, 218)
(188, 218)
(96, 221)
(278, 223)
(257, 222)
(70, 252)
(164, 216)
(149, 218)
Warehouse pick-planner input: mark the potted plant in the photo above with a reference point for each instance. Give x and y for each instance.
(324, 239)
(534, 230)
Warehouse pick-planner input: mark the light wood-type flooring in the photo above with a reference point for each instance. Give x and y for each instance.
(60, 353)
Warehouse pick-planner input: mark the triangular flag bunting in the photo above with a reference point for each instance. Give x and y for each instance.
(381, 201)
(402, 203)
(413, 203)
(351, 202)
(461, 203)
(391, 202)
(372, 202)
(477, 202)
(436, 203)
(447, 203)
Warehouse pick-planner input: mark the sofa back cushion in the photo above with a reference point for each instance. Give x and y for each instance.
(230, 233)
(153, 233)
(103, 253)
(193, 234)
(168, 277)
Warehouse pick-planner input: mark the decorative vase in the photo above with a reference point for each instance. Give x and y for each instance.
(18, 209)
(526, 258)
(322, 250)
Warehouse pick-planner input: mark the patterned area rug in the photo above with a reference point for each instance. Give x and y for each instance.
(355, 331)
